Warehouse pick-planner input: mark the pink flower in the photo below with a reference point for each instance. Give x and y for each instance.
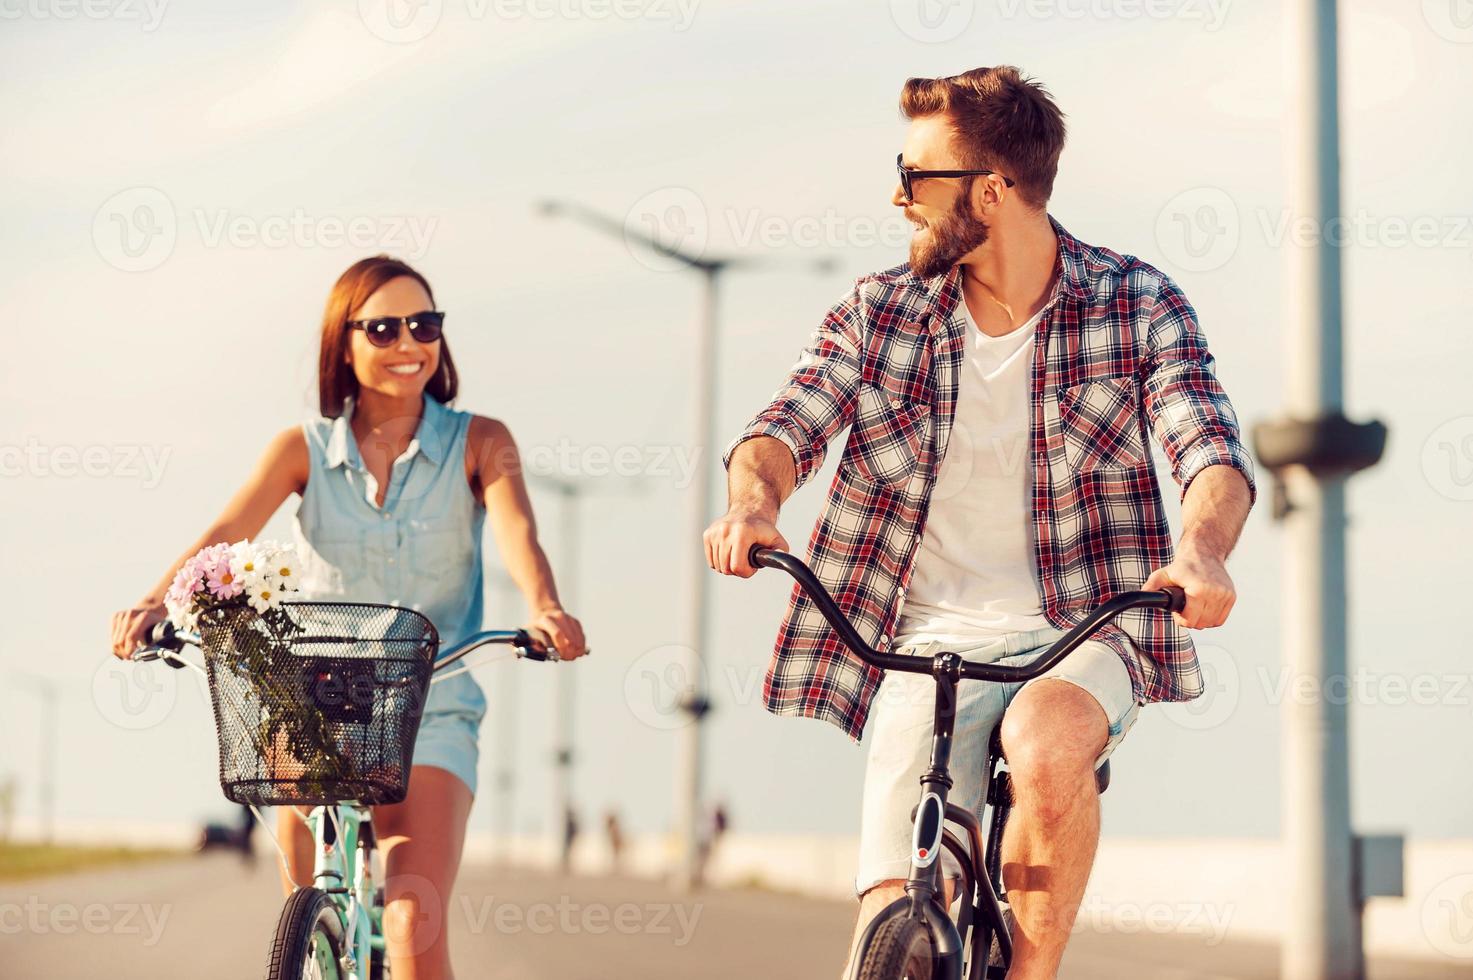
(187, 581)
(215, 566)
(223, 585)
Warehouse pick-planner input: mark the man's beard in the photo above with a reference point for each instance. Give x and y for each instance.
(941, 245)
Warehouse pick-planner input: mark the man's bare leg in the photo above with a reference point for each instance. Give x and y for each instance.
(1052, 734)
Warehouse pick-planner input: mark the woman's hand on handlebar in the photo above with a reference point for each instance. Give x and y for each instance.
(730, 539)
(130, 627)
(1204, 578)
(564, 632)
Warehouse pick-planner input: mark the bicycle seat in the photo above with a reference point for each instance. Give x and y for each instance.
(1102, 774)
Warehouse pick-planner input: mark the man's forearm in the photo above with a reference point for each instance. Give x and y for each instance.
(760, 477)
(1214, 511)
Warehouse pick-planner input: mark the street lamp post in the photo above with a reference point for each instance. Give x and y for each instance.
(1312, 450)
(694, 700)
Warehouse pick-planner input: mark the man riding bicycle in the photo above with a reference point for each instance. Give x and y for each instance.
(997, 484)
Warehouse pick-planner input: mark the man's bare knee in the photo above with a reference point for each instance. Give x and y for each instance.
(876, 897)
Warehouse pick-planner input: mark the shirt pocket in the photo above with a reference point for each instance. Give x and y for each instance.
(888, 436)
(438, 554)
(1101, 424)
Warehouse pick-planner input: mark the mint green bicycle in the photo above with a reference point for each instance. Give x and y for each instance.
(317, 705)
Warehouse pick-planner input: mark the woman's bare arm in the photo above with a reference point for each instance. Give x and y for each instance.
(281, 471)
(496, 471)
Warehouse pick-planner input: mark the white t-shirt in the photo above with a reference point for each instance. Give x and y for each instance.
(975, 575)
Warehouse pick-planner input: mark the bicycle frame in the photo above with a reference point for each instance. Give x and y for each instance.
(982, 914)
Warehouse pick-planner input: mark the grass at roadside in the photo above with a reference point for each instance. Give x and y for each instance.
(34, 860)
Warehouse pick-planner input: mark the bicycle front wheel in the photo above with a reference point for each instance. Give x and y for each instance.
(901, 948)
(309, 939)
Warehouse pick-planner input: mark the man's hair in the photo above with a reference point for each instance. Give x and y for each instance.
(1003, 122)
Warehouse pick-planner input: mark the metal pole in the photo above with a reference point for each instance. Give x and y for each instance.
(1322, 937)
(694, 701)
(689, 754)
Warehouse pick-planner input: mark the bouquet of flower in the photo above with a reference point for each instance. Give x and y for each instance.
(232, 594)
(254, 573)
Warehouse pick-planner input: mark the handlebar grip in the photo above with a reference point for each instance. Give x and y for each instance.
(535, 645)
(1178, 598)
(160, 639)
(757, 556)
(161, 634)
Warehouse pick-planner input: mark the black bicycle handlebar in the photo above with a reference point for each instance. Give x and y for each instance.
(163, 642)
(1170, 598)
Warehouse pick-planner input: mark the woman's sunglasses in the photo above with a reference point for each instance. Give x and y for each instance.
(383, 331)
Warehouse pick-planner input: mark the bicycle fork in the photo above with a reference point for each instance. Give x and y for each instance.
(343, 836)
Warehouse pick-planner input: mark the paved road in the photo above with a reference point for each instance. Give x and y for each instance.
(213, 917)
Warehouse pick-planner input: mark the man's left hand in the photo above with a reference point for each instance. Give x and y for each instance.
(1204, 578)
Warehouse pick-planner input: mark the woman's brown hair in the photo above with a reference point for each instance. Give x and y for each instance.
(335, 378)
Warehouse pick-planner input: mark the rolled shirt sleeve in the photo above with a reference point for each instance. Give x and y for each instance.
(1188, 409)
(819, 396)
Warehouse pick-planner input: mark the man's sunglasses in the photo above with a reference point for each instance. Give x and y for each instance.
(907, 175)
(383, 331)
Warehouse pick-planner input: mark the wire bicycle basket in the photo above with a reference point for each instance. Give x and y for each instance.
(317, 702)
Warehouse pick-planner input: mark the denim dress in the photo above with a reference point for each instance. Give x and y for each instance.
(420, 550)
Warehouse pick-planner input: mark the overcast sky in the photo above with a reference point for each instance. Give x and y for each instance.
(183, 183)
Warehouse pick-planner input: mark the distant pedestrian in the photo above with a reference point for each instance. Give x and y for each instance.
(570, 836)
(615, 832)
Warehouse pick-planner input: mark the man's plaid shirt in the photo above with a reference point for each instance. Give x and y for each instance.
(1118, 350)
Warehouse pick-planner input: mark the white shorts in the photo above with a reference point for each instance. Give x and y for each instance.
(901, 721)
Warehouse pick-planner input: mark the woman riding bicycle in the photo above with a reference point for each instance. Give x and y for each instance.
(395, 486)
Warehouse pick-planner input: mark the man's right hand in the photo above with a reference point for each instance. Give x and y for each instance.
(729, 541)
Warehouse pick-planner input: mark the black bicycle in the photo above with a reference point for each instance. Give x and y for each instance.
(915, 937)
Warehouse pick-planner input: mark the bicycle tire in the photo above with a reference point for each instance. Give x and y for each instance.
(900, 950)
(307, 915)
